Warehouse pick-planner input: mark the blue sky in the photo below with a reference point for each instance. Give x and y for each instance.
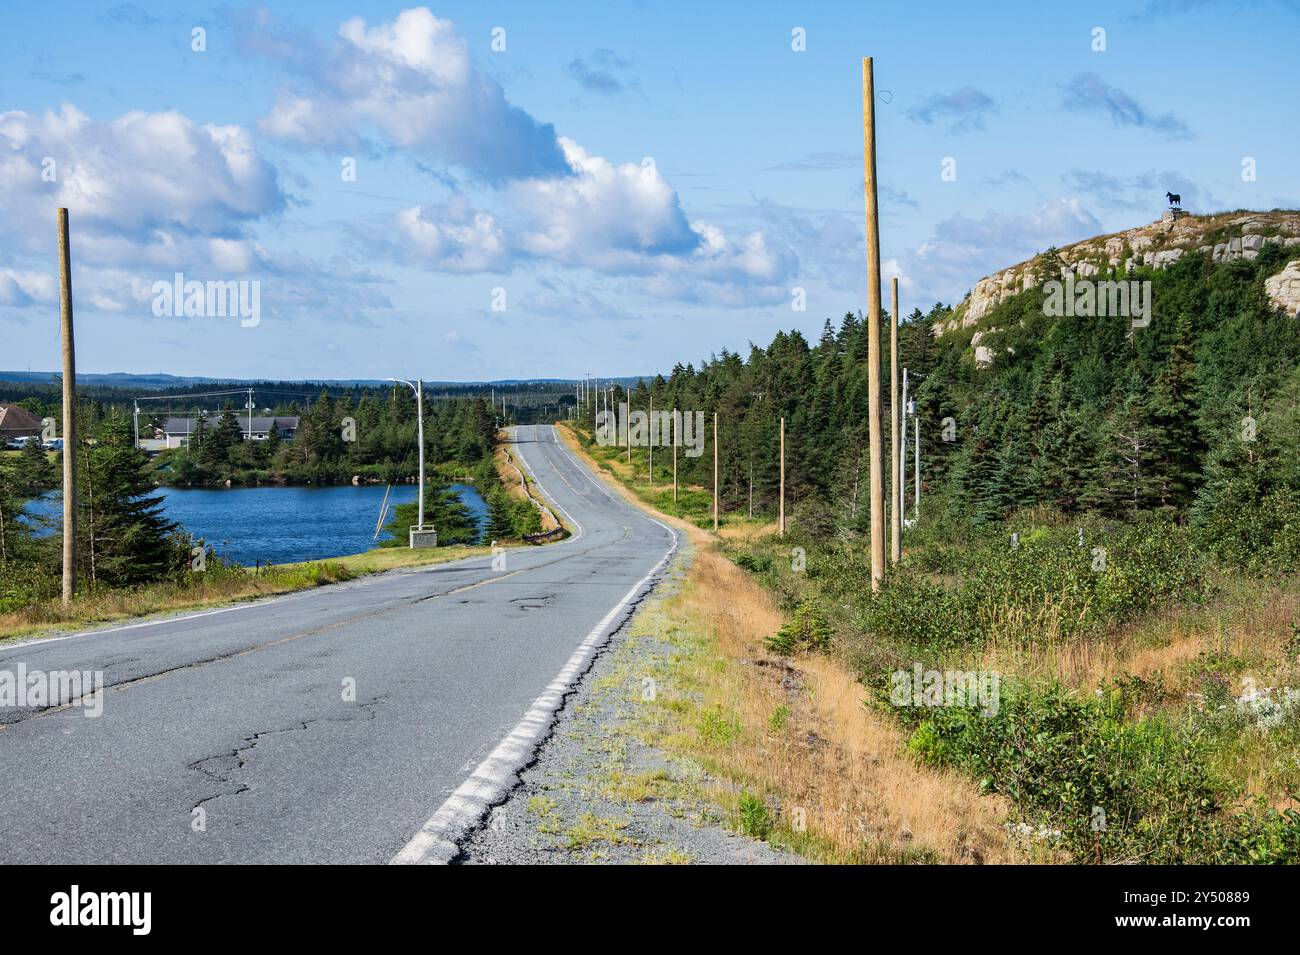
(623, 186)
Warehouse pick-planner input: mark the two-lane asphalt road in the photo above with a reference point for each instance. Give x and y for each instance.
(229, 736)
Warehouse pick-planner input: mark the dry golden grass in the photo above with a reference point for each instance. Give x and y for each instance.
(505, 464)
(845, 766)
(864, 799)
(1250, 625)
(746, 530)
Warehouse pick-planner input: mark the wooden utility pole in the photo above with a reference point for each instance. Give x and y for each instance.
(916, 442)
(873, 322)
(895, 451)
(69, 414)
(715, 472)
(676, 424)
(902, 443)
(780, 520)
(650, 440)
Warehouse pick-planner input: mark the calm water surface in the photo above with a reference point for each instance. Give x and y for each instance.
(284, 524)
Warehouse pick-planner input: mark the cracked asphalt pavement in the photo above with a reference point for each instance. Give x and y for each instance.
(321, 726)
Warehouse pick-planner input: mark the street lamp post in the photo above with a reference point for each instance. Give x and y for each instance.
(418, 535)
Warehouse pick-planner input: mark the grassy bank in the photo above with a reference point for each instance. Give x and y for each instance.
(1145, 704)
(794, 756)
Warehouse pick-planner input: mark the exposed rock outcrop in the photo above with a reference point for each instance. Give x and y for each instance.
(1283, 289)
(1157, 246)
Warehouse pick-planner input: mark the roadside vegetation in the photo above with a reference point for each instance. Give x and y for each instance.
(788, 752)
(1112, 534)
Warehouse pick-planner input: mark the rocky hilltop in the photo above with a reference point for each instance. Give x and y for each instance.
(1222, 237)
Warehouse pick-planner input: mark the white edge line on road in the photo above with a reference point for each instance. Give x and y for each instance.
(437, 842)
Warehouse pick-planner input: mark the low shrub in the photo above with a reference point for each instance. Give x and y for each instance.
(1102, 786)
(809, 630)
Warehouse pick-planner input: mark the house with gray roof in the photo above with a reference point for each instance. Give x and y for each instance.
(176, 431)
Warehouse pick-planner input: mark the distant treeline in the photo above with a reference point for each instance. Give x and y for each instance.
(533, 400)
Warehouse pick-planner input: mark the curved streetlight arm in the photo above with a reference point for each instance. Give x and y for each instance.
(417, 386)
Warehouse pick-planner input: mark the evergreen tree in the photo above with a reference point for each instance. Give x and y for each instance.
(1126, 480)
(33, 473)
(198, 438)
(500, 524)
(14, 531)
(215, 453)
(1177, 444)
(125, 539)
(270, 448)
(443, 511)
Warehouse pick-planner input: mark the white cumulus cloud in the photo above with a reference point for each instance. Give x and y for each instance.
(412, 79)
(136, 175)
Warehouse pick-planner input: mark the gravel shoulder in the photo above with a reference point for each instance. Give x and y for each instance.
(599, 790)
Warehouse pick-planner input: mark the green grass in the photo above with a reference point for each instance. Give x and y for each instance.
(754, 819)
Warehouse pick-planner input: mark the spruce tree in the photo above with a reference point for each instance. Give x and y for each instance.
(215, 453)
(1177, 445)
(1125, 480)
(125, 539)
(33, 473)
(500, 525)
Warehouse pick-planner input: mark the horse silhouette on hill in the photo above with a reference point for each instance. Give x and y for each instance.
(1174, 198)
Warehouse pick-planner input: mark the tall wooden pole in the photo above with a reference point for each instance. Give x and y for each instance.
(873, 322)
(895, 451)
(69, 414)
(916, 441)
(676, 425)
(780, 520)
(715, 472)
(902, 443)
(650, 440)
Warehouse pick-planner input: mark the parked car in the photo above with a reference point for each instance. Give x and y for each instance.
(17, 444)
(54, 444)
